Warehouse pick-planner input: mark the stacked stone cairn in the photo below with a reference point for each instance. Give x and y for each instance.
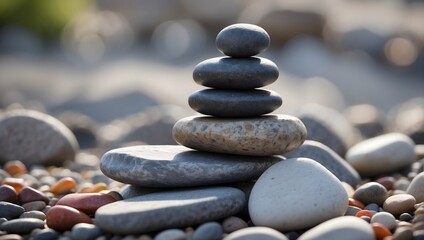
(190, 184)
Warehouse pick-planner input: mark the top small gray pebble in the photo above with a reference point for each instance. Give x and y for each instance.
(242, 40)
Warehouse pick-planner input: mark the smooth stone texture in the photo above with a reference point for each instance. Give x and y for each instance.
(34, 206)
(255, 233)
(35, 138)
(242, 40)
(10, 210)
(328, 126)
(351, 211)
(235, 73)
(328, 158)
(232, 224)
(386, 219)
(234, 103)
(371, 192)
(29, 194)
(85, 231)
(178, 166)
(173, 209)
(34, 214)
(130, 191)
(295, 194)
(86, 202)
(346, 228)
(8, 194)
(62, 218)
(208, 231)
(22, 225)
(398, 204)
(416, 187)
(261, 136)
(45, 234)
(382, 154)
(171, 234)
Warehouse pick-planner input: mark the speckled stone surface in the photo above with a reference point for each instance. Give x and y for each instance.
(260, 136)
(178, 166)
(329, 159)
(234, 103)
(35, 138)
(235, 73)
(242, 40)
(173, 209)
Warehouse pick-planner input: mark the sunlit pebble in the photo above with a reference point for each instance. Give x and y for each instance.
(401, 51)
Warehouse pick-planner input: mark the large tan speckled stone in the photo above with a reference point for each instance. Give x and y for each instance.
(259, 136)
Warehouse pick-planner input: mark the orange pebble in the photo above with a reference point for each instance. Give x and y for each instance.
(380, 231)
(364, 213)
(63, 186)
(16, 183)
(15, 168)
(356, 203)
(98, 187)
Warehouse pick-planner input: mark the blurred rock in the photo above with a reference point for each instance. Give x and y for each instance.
(408, 118)
(83, 127)
(369, 120)
(328, 126)
(35, 138)
(19, 41)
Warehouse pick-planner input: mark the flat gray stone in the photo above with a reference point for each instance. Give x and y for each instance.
(35, 138)
(173, 209)
(10, 210)
(22, 225)
(178, 166)
(234, 103)
(130, 191)
(329, 159)
(235, 73)
(260, 136)
(242, 40)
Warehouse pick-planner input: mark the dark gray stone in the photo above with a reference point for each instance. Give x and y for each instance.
(208, 231)
(34, 214)
(235, 73)
(45, 234)
(10, 210)
(234, 103)
(130, 191)
(21, 225)
(371, 192)
(242, 40)
(85, 231)
(178, 166)
(173, 209)
(329, 159)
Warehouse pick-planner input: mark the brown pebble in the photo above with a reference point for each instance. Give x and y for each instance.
(404, 224)
(398, 204)
(36, 205)
(388, 182)
(86, 202)
(64, 185)
(29, 194)
(15, 168)
(403, 233)
(418, 218)
(418, 226)
(16, 183)
(8, 194)
(63, 218)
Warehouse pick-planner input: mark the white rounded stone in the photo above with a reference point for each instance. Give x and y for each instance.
(254, 233)
(296, 193)
(382, 154)
(416, 187)
(346, 228)
(384, 218)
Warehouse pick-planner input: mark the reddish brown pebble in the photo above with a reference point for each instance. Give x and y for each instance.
(29, 194)
(86, 202)
(16, 183)
(8, 194)
(380, 231)
(15, 168)
(364, 213)
(63, 218)
(387, 182)
(356, 203)
(64, 185)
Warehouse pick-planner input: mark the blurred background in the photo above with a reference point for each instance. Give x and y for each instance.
(121, 71)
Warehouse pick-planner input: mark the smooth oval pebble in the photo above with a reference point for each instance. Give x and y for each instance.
(235, 73)
(34, 214)
(346, 228)
(170, 209)
(10, 210)
(208, 231)
(371, 192)
(178, 166)
(45, 234)
(234, 103)
(35, 138)
(22, 225)
(260, 136)
(232, 224)
(398, 204)
(85, 231)
(242, 40)
(383, 154)
(416, 187)
(29, 194)
(62, 218)
(8, 194)
(403, 233)
(64, 185)
(293, 195)
(255, 233)
(386, 219)
(86, 202)
(15, 168)
(34, 206)
(171, 234)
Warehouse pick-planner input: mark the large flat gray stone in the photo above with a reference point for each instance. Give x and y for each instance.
(173, 209)
(178, 166)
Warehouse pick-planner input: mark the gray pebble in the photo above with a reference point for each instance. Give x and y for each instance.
(351, 211)
(232, 224)
(372, 207)
(35, 205)
(208, 231)
(403, 233)
(371, 192)
(3, 220)
(171, 234)
(34, 214)
(405, 217)
(10, 210)
(45, 234)
(22, 225)
(85, 231)
(401, 184)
